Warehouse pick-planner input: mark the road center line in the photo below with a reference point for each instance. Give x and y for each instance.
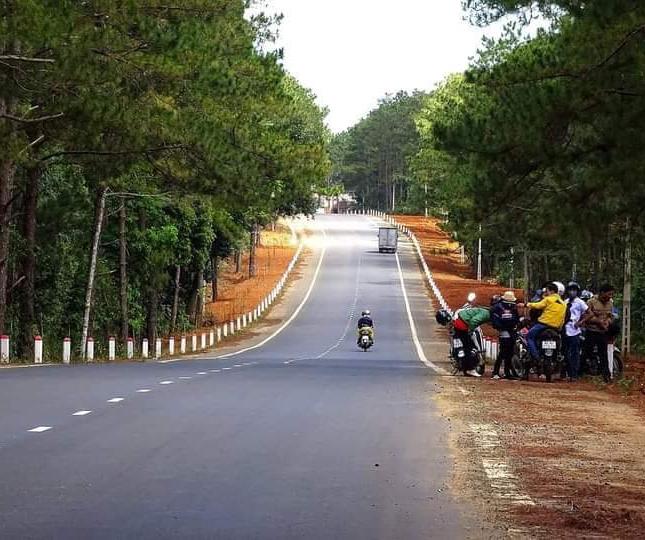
(39, 429)
(144, 390)
(167, 382)
(115, 400)
(81, 413)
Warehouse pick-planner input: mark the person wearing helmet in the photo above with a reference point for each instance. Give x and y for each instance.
(576, 308)
(443, 317)
(365, 321)
(561, 288)
(553, 310)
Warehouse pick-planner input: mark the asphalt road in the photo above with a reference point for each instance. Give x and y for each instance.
(304, 437)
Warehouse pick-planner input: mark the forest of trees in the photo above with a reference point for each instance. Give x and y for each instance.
(141, 143)
(539, 143)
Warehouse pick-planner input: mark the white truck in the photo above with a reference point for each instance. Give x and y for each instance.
(388, 238)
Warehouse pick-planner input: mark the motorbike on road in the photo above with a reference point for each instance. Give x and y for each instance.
(365, 339)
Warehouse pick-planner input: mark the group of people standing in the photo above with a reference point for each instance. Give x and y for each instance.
(567, 310)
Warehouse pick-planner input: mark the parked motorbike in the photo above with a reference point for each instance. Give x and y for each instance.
(549, 361)
(365, 339)
(590, 364)
(458, 352)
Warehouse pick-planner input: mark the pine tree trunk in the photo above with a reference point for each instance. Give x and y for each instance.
(252, 264)
(238, 261)
(201, 303)
(89, 291)
(214, 264)
(7, 174)
(123, 271)
(151, 316)
(28, 321)
(193, 302)
(175, 299)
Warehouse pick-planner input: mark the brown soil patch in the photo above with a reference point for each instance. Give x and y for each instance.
(454, 279)
(239, 294)
(576, 452)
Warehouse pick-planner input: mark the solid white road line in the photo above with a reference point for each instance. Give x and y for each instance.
(81, 413)
(39, 429)
(413, 328)
(115, 400)
(294, 314)
(144, 390)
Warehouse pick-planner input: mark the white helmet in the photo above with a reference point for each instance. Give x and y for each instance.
(560, 286)
(366, 313)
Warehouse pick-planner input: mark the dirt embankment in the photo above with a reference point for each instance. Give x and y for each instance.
(237, 293)
(554, 460)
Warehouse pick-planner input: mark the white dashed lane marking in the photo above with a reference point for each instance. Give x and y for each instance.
(167, 382)
(81, 413)
(115, 400)
(202, 373)
(40, 429)
(144, 390)
(226, 368)
(215, 370)
(238, 365)
(185, 378)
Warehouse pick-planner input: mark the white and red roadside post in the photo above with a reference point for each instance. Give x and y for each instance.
(244, 321)
(211, 338)
(67, 350)
(219, 334)
(130, 348)
(194, 342)
(38, 350)
(90, 349)
(158, 348)
(171, 346)
(225, 330)
(4, 349)
(203, 342)
(144, 348)
(182, 345)
(111, 348)
(232, 327)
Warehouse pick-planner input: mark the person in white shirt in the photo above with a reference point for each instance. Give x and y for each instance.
(576, 308)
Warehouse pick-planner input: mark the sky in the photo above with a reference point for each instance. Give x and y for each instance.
(353, 52)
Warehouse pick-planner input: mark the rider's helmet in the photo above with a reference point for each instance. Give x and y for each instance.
(366, 313)
(573, 286)
(560, 286)
(586, 295)
(443, 317)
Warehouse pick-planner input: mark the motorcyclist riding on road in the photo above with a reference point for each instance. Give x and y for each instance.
(365, 321)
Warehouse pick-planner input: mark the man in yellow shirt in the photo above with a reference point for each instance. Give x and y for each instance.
(553, 312)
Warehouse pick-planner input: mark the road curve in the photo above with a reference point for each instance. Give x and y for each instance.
(304, 437)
